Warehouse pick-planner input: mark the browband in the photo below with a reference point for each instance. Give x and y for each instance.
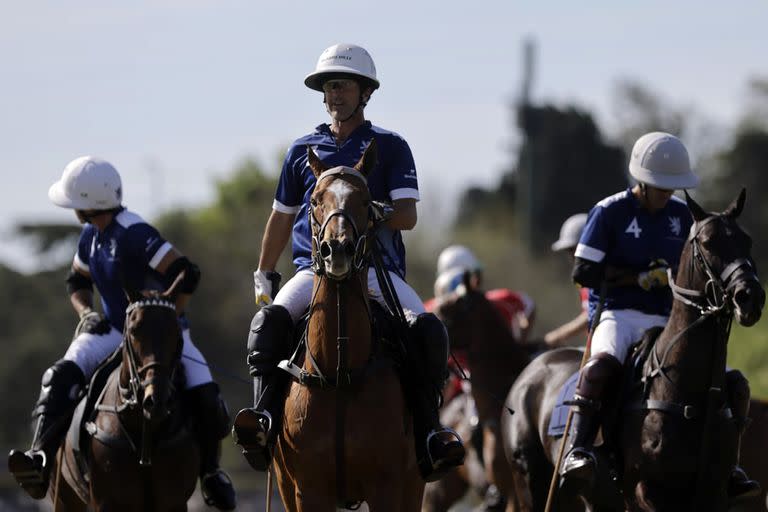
(342, 170)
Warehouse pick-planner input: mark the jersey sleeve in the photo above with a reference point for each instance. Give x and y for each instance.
(289, 193)
(146, 244)
(402, 180)
(594, 242)
(83, 255)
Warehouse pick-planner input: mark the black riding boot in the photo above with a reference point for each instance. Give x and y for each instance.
(212, 426)
(438, 449)
(599, 375)
(61, 389)
(269, 342)
(737, 388)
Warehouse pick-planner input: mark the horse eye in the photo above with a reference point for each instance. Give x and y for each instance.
(313, 202)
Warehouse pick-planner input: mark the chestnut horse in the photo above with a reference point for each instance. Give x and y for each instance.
(346, 434)
(494, 360)
(675, 442)
(142, 455)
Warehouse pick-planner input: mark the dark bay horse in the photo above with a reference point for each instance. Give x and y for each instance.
(675, 440)
(346, 437)
(142, 454)
(494, 360)
(753, 450)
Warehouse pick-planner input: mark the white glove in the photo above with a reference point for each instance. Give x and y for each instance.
(262, 287)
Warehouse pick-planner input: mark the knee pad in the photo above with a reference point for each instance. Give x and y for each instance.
(269, 339)
(211, 410)
(599, 373)
(430, 339)
(60, 388)
(737, 393)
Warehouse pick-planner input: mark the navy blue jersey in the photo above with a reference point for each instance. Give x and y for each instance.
(621, 233)
(128, 250)
(394, 177)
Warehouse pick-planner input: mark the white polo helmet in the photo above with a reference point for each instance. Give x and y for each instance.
(660, 160)
(449, 282)
(570, 232)
(342, 59)
(457, 256)
(87, 183)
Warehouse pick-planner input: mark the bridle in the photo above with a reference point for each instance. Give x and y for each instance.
(137, 381)
(359, 245)
(715, 300)
(137, 373)
(718, 290)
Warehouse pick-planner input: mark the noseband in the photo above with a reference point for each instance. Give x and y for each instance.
(322, 248)
(718, 290)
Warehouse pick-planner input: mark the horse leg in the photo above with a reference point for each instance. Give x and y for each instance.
(440, 495)
(498, 471)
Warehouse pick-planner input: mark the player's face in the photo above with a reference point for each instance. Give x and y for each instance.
(341, 97)
(658, 197)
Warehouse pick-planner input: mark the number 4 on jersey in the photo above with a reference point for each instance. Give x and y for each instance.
(634, 228)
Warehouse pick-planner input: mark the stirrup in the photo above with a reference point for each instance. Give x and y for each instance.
(250, 431)
(579, 464)
(741, 486)
(29, 470)
(217, 490)
(434, 466)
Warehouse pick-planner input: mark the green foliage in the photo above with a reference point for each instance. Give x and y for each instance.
(748, 351)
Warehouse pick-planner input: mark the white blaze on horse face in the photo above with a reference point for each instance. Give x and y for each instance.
(341, 190)
(337, 264)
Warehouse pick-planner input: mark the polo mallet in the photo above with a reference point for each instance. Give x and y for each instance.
(584, 358)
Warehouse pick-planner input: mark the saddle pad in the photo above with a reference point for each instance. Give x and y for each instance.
(560, 411)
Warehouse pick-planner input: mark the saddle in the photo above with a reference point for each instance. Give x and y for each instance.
(388, 350)
(633, 373)
(78, 435)
(82, 427)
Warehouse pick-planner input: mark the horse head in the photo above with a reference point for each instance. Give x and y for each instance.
(722, 252)
(461, 312)
(340, 215)
(152, 349)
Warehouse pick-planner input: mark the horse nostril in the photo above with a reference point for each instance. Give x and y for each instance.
(325, 249)
(148, 404)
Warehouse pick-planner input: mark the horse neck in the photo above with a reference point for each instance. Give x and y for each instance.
(495, 359)
(698, 354)
(323, 328)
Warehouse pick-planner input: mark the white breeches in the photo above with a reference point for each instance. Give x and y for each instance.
(619, 329)
(297, 293)
(89, 350)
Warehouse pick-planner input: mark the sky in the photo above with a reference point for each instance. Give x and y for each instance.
(176, 93)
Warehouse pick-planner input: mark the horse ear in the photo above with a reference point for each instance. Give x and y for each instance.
(734, 209)
(317, 165)
(368, 160)
(173, 291)
(133, 295)
(697, 211)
